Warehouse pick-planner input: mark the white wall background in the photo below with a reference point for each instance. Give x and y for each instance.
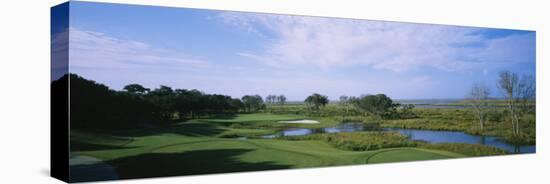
(24, 90)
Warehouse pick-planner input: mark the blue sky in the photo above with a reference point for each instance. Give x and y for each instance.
(237, 53)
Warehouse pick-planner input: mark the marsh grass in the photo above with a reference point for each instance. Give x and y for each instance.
(491, 102)
(360, 141)
(463, 120)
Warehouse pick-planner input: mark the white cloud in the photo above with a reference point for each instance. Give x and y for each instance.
(59, 54)
(511, 49)
(331, 42)
(421, 79)
(90, 49)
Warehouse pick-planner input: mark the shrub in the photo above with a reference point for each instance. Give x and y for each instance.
(519, 139)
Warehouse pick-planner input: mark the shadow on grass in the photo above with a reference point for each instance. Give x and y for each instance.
(84, 146)
(187, 129)
(222, 119)
(222, 116)
(87, 168)
(188, 163)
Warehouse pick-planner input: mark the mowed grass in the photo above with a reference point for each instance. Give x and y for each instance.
(171, 155)
(202, 147)
(409, 154)
(266, 121)
(254, 117)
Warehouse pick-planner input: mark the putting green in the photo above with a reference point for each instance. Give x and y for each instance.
(256, 117)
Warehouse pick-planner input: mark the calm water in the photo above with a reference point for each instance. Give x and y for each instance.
(427, 101)
(429, 136)
(344, 127)
(424, 106)
(433, 103)
(461, 137)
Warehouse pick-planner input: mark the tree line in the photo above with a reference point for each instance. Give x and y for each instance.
(95, 105)
(378, 105)
(272, 100)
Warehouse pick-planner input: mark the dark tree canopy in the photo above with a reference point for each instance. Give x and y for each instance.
(252, 103)
(95, 106)
(379, 105)
(136, 89)
(316, 100)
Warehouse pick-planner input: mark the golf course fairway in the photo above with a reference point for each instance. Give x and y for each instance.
(192, 149)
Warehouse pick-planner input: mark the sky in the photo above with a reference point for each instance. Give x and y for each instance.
(238, 53)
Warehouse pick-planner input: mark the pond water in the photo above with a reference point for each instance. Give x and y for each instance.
(430, 136)
(344, 127)
(427, 101)
(422, 106)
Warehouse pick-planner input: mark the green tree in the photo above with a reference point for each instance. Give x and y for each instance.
(252, 103)
(236, 104)
(378, 105)
(164, 100)
(316, 100)
(136, 89)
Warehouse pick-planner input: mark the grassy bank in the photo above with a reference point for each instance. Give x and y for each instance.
(465, 149)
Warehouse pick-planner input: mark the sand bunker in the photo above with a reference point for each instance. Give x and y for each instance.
(304, 121)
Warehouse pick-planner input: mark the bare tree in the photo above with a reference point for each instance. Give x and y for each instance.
(270, 100)
(479, 94)
(517, 93)
(508, 84)
(281, 100)
(527, 93)
(344, 102)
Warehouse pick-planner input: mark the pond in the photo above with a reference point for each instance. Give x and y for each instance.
(441, 106)
(344, 127)
(430, 136)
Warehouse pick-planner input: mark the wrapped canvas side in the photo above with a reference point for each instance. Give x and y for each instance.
(59, 150)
